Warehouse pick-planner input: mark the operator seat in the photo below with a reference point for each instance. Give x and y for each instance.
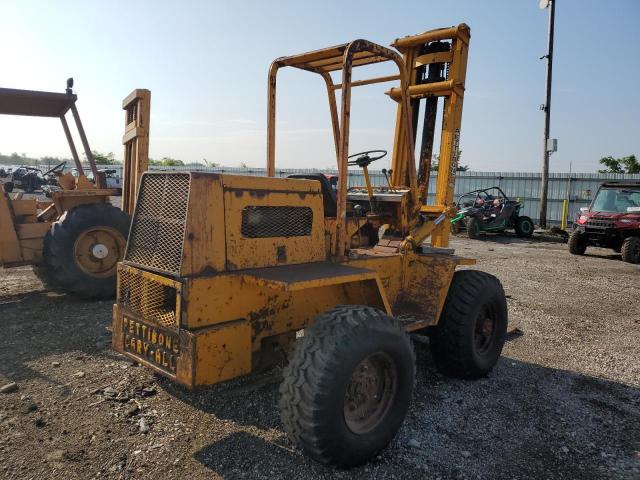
(328, 195)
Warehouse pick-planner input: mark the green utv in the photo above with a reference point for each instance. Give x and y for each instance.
(490, 210)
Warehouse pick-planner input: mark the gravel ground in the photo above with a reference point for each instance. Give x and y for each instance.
(563, 402)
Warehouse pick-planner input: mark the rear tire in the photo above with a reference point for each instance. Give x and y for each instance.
(524, 227)
(473, 228)
(468, 340)
(631, 250)
(348, 386)
(81, 250)
(577, 243)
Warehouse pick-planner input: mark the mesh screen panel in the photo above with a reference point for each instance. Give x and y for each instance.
(264, 222)
(152, 301)
(157, 229)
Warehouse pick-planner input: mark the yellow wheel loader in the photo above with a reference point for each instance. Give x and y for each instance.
(225, 275)
(75, 240)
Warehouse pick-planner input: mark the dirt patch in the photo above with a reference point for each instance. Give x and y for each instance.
(563, 402)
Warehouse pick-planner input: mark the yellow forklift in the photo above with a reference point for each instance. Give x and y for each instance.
(226, 275)
(75, 240)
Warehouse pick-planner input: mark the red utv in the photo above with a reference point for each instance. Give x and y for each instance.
(612, 221)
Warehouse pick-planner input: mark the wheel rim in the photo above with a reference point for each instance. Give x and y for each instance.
(98, 250)
(370, 393)
(485, 331)
(526, 227)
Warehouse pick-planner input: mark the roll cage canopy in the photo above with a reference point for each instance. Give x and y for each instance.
(322, 62)
(429, 65)
(34, 103)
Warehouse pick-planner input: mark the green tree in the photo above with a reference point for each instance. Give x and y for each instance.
(166, 162)
(102, 159)
(627, 164)
(436, 161)
(210, 164)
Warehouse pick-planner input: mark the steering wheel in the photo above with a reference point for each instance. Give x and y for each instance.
(55, 169)
(365, 158)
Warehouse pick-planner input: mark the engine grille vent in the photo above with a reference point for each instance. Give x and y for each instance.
(265, 222)
(594, 223)
(150, 300)
(157, 229)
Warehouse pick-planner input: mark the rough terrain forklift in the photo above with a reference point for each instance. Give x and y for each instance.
(75, 240)
(225, 275)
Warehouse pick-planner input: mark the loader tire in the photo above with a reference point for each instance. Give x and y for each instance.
(524, 227)
(29, 184)
(348, 386)
(577, 243)
(631, 250)
(468, 340)
(473, 228)
(82, 249)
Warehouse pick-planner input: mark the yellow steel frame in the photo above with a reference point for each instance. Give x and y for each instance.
(137, 107)
(452, 90)
(344, 58)
(236, 293)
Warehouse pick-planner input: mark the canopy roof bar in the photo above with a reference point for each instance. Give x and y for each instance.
(34, 103)
(461, 31)
(359, 83)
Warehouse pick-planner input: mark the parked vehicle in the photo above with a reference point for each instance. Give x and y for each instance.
(111, 178)
(490, 210)
(31, 179)
(611, 221)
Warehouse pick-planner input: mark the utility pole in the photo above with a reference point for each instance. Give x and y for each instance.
(546, 108)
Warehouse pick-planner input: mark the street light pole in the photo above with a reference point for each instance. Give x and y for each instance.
(544, 187)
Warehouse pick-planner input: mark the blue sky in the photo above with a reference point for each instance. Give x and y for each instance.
(206, 64)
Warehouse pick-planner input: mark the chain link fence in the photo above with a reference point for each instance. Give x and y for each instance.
(578, 188)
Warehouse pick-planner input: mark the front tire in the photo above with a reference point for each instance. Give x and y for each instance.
(82, 249)
(577, 243)
(524, 227)
(348, 386)
(29, 186)
(631, 250)
(468, 340)
(473, 228)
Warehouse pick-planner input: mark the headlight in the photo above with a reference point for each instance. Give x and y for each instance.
(583, 219)
(627, 220)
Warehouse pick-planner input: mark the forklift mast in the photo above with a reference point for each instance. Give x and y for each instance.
(437, 64)
(137, 107)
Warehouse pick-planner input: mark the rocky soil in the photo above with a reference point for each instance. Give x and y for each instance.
(563, 402)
